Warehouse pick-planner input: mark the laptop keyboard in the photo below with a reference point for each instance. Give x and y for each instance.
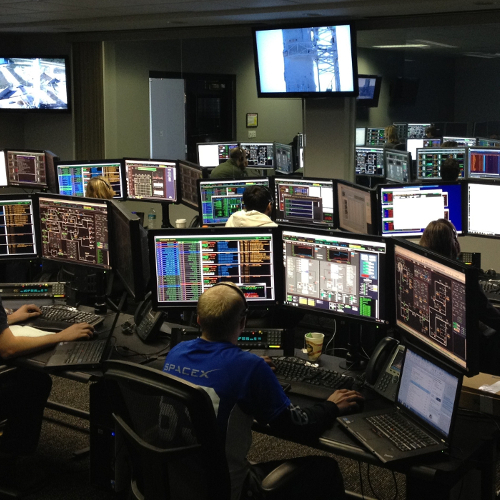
(86, 352)
(309, 380)
(69, 314)
(400, 432)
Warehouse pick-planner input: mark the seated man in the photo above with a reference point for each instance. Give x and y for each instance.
(243, 387)
(450, 170)
(234, 168)
(258, 204)
(24, 392)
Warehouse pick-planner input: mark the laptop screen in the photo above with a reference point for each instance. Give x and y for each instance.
(428, 392)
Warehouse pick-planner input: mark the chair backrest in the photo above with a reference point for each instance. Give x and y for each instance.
(170, 431)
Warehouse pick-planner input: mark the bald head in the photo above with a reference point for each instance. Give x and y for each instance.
(221, 312)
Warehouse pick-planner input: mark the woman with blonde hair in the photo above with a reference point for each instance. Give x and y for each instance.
(98, 187)
(391, 137)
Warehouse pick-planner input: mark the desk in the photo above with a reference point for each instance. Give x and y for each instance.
(473, 448)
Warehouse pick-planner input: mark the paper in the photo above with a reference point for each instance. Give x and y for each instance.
(28, 331)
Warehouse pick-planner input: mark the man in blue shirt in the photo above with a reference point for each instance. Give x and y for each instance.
(243, 387)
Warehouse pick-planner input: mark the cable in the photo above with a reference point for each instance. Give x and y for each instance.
(333, 336)
(361, 479)
(374, 492)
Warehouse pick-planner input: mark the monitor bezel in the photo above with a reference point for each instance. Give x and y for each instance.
(83, 163)
(384, 272)
(21, 197)
(152, 200)
(288, 95)
(409, 163)
(207, 232)
(472, 319)
(373, 102)
(68, 199)
(26, 185)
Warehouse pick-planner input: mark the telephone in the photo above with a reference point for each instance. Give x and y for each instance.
(384, 368)
(147, 321)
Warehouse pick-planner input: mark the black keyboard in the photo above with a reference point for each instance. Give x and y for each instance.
(309, 380)
(68, 314)
(402, 433)
(86, 352)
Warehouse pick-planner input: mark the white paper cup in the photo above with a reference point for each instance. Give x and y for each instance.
(180, 223)
(314, 345)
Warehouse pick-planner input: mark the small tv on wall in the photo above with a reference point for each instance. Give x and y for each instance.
(34, 84)
(369, 90)
(306, 61)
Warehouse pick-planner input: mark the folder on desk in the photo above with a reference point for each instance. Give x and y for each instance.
(426, 407)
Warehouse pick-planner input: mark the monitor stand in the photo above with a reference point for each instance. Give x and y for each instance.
(355, 359)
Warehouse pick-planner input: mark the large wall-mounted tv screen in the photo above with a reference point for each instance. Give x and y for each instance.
(311, 61)
(34, 84)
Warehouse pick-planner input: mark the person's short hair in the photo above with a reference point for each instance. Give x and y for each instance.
(450, 170)
(98, 187)
(237, 153)
(432, 130)
(441, 236)
(391, 134)
(220, 310)
(449, 144)
(257, 198)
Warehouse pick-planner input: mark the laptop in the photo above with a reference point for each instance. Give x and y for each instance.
(427, 402)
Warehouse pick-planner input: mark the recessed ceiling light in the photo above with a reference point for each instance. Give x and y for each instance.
(406, 46)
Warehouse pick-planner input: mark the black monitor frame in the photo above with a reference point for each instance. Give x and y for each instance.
(446, 267)
(95, 163)
(68, 200)
(342, 241)
(373, 101)
(404, 155)
(19, 198)
(224, 235)
(204, 173)
(20, 152)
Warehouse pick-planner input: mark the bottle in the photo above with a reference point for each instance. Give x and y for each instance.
(152, 219)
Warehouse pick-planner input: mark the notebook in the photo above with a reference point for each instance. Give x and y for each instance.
(427, 400)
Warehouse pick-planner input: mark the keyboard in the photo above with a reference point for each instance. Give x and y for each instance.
(402, 433)
(68, 314)
(86, 353)
(309, 380)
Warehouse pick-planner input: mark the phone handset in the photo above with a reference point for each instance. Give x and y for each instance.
(147, 321)
(384, 368)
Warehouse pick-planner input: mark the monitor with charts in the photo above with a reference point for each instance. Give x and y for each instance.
(430, 160)
(483, 162)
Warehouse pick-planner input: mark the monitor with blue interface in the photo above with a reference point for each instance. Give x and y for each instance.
(187, 262)
(356, 208)
(212, 154)
(405, 210)
(73, 176)
(397, 165)
(219, 198)
(369, 90)
(430, 160)
(483, 162)
(304, 201)
(336, 273)
(370, 161)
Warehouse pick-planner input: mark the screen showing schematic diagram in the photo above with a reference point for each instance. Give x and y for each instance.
(407, 209)
(259, 155)
(335, 274)
(356, 208)
(188, 263)
(219, 198)
(17, 232)
(430, 160)
(304, 201)
(370, 161)
(26, 168)
(154, 180)
(74, 231)
(431, 303)
(73, 177)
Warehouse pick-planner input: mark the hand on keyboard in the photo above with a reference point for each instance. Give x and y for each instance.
(78, 331)
(347, 401)
(23, 313)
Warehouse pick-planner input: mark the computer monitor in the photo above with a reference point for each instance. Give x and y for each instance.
(336, 273)
(402, 129)
(430, 160)
(483, 162)
(356, 208)
(435, 304)
(405, 210)
(360, 136)
(369, 90)
(259, 154)
(17, 227)
(397, 165)
(220, 198)
(482, 203)
(416, 130)
(151, 180)
(461, 141)
(370, 161)
(129, 249)
(74, 230)
(187, 262)
(413, 144)
(375, 136)
(73, 176)
(211, 154)
(304, 201)
(26, 168)
(283, 158)
(189, 173)
(484, 142)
